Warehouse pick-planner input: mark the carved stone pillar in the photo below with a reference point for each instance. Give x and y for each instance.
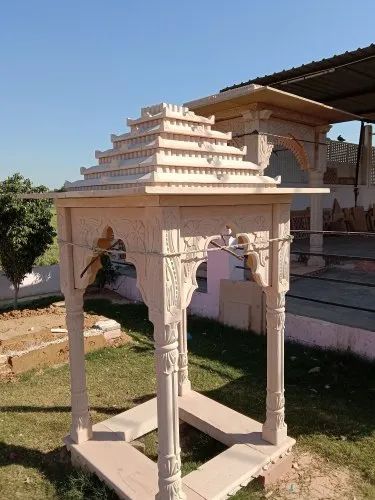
(366, 159)
(184, 384)
(259, 149)
(316, 200)
(161, 281)
(274, 429)
(166, 360)
(81, 424)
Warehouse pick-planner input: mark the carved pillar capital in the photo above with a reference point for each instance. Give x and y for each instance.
(258, 147)
(256, 119)
(323, 129)
(320, 149)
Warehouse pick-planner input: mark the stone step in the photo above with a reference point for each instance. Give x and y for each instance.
(225, 474)
(133, 423)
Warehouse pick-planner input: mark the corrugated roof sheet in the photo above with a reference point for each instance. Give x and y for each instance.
(345, 81)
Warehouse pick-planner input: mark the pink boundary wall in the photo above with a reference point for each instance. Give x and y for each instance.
(302, 329)
(319, 333)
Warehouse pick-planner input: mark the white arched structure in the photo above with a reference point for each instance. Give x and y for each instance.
(166, 189)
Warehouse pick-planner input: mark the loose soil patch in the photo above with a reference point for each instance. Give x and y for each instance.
(314, 478)
(22, 329)
(26, 339)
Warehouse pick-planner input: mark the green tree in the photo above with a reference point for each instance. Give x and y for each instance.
(25, 229)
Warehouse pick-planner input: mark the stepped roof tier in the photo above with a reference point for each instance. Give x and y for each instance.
(171, 146)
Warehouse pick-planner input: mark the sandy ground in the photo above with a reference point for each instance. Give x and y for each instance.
(22, 329)
(313, 478)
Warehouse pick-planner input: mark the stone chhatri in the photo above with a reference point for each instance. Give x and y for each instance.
(167, 189)
(171, 146)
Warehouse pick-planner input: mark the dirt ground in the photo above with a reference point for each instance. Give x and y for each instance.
(20, 330)
(313, 478)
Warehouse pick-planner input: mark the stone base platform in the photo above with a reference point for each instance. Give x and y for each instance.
(134, 476)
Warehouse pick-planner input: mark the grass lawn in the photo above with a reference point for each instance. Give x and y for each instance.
(330, 412)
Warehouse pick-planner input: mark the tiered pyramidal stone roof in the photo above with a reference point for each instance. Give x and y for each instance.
(170, 146)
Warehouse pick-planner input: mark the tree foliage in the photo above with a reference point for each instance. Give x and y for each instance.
(25, 228)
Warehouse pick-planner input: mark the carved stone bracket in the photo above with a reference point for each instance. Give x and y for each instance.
(197, 233)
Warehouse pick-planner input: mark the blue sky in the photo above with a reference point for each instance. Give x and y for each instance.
(72, 71)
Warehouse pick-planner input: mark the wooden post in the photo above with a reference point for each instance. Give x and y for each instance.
(274, 428)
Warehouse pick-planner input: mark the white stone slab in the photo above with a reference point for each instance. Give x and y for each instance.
(191, 494)
(226, 473)
(218, 421)
(106, 325)
(136, 422)
(131, 474)
(226, 425)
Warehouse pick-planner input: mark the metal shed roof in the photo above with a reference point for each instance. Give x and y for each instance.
(345, 81)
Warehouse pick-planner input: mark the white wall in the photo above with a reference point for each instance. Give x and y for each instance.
(42, 280)
(127, 287)
(318, 333)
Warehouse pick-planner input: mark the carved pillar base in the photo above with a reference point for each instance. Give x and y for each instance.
(273, 434)
(184, 384)
(81, 428)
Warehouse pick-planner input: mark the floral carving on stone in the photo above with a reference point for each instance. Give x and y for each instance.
(265, 150)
